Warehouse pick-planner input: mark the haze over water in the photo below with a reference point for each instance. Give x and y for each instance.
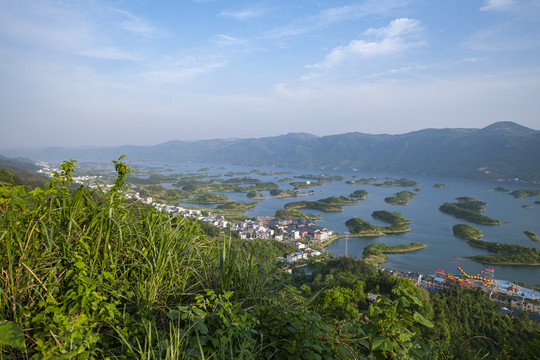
(429, 225)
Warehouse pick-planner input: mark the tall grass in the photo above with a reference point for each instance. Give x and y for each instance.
(79, 263)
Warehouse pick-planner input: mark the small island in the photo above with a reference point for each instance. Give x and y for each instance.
(359, 227)
(359, 194)
(294, 214)
(468, 208)
(439, 186)
(306, 184)
(330, 204)
(403, 182)
(322, 177)
(237, 206)
(279, 193)
(400, 198)
(505, 254)
(531, 236)
(208, 199)
(255, 195)
(500, 189)
(376, 253)
(521, 193)
(363, 181)
(467, 232)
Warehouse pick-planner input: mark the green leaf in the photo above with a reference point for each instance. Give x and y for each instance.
(174, 314)
(422, 320)
(202, 327)
(382, 344)
(198, 311)
(12, 335)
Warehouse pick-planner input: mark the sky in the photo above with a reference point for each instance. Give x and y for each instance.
(143, 72)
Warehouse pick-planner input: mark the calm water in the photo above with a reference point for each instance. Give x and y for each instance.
(429, 225)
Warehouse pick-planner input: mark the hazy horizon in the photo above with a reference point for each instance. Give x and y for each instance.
(109, 73)
(12, 150)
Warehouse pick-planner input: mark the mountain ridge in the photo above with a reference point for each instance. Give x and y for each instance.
(503, 150)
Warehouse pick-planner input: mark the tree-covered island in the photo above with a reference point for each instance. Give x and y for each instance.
(322, 177)
(280, 193)
(466, 231)
(531, 236)
(359, 227)
(329, 204)
(400, 198)
(521, 193)
(468, 208)
(255, 195)
(208, 199)
(500, 189)
(376, 253)
(403, 182)
(359, 194)
(364, 181)
(505, 254)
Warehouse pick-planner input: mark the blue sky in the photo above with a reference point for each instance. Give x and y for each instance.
(102, 72)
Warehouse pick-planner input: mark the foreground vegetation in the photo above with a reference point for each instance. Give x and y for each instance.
(90, 275)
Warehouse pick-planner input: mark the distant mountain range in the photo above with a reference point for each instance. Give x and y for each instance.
(503, 150)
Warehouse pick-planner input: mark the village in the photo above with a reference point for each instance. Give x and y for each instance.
(297, 232)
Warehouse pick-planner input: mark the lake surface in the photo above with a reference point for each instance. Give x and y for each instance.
(429, 225)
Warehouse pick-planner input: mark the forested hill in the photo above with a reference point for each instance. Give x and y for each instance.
(501, 150)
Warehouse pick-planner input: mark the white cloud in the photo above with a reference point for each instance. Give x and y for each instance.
(242, 14)
(135, 24)
(226, 40)
(337, 14)
(400, 35)
(497, 5)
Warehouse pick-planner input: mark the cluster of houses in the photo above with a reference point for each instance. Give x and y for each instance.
(264, 227)
(46, 169)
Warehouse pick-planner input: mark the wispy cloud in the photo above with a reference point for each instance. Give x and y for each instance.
(525, 9)
(184, 69)
(497, 5)
(135, 24)
(337, 14)
(107, 53)
(226, 40)
(243, 14)
(400, 35)
(506, 36)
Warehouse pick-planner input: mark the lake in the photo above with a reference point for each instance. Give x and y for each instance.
(429, 225)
